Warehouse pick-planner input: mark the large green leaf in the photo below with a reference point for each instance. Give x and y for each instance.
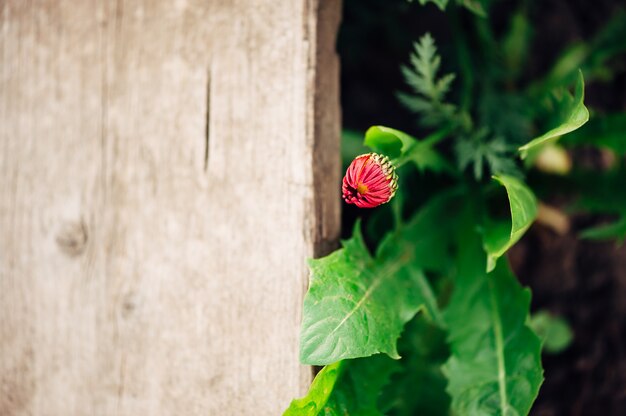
(357, 305)
(361, 382)
(349, 387)
(319, 392)
(495, 363)
(499, 236)
(572, 115)
(427, 234)
(419, 388)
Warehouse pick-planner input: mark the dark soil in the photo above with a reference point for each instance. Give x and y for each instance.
(585, 282)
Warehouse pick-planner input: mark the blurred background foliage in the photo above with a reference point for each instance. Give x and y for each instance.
(510, 59)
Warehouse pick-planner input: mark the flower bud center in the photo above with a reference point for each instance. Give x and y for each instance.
(362, 189)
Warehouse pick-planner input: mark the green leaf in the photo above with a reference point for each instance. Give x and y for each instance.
(573, 114)
(388, 141)
(600, 193)
(480, 149)
(516, 43)
(425, 157)
(428, 233)
(361, 383)
(475, 6)
(422, 76)
(357, 305)
(495, 363)
(612, 231)
(419, 388)
(319, 392)
(608, 131)
(564, 71)
(439, 3)
(403, 148)
(428, 88)
(349, 387)
(554, 332)
(594, 57)
(498, 236)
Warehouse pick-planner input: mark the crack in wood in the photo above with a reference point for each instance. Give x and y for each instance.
(207, 120)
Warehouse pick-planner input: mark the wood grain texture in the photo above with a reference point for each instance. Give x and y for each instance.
(166, 167)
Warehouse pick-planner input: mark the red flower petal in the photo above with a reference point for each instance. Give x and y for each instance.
(370, 181)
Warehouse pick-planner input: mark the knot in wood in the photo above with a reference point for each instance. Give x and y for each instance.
(72, 238)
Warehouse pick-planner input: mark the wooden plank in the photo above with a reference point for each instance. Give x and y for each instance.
(166, 167)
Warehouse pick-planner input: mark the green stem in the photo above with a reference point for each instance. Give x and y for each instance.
(465, 60)
(429, 141)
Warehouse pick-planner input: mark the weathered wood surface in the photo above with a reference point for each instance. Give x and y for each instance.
(166, 167)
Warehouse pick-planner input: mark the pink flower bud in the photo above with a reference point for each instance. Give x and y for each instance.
(370, 181)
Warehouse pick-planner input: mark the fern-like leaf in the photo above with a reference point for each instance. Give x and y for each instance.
(429, 90)
(482, 149)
